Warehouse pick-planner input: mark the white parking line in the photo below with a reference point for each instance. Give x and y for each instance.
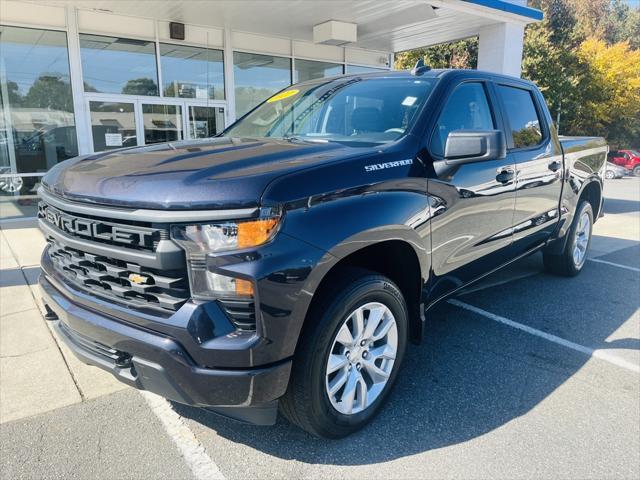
(196, 457)
(626, 267)
(601, 354)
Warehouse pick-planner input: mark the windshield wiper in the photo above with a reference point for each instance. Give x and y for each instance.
(297, 138)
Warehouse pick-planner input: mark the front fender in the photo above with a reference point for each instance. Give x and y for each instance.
(344, 226)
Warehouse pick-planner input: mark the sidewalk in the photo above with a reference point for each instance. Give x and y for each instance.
(37, 374)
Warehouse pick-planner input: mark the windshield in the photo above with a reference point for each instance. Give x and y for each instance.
(347, 109)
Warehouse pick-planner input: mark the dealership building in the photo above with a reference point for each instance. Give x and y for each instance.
(83, 76)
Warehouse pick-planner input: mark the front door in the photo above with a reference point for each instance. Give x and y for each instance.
(472, 204)
(125, 121)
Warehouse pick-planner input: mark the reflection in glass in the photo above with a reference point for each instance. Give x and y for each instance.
(18, 196)
(205, 122)
(162, 123)
(37, 128)
(257, 77)
(113, 125)
(191, 72)
(360, 69)
(118, 65)
(309, 69)
(354, 111)
(523, 116)
(467, 108)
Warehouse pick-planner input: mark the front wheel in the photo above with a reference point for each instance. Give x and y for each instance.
(574, 255)
(609, 174)
(636, 171)
(349, 357)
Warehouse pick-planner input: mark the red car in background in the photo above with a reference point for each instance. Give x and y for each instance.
(629, 159)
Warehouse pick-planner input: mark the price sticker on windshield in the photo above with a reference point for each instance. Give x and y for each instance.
(283, 95)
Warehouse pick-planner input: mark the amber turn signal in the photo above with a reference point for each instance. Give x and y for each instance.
(255, 232)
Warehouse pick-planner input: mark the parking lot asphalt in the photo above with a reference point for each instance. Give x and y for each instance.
(523, 375)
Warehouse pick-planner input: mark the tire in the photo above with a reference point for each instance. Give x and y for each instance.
(636, 171)
(609, 174)
(308, 402)
(569, 264)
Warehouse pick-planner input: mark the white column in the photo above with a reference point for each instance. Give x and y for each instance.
(500, 48)
(229, 84)
(77, 87)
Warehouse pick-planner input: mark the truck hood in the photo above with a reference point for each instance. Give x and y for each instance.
(198, 174)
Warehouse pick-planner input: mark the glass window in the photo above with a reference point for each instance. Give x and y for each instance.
(18, 197)
(162, 123)
(360, 69)
(113, 125)
(466, 109)
(37, 127)
(191, 72)
(257, 77)
(522, 115)
(350, 110)
(205, 121)
(310, 69)
(118, 65)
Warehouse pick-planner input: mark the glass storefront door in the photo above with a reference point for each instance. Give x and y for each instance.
(113, 125)
(118, 121)
(162, 123)
(205, 121)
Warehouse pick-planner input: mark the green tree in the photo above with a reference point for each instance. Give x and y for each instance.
(13, 94)
(460, 54)
(50, 92)
(140, 86)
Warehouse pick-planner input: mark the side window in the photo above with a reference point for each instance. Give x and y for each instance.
(523, 116)
(466, 109)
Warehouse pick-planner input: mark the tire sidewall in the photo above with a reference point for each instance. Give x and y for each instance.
(371, 289)
(582, 208)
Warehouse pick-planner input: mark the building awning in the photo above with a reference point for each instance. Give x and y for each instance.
(389, 26)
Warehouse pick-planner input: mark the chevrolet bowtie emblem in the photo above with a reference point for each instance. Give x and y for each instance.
(137, 279)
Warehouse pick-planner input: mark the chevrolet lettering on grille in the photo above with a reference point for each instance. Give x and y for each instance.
(95, 229)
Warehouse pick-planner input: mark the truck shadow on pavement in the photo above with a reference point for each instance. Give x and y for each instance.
(471, 375)
(614, 206)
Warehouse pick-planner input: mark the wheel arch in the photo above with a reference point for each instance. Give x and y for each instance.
(401, 260)
(592, 192)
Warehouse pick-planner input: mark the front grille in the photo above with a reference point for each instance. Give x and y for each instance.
(241, 312)
(120, 280)
(116, 357)
(124, 234)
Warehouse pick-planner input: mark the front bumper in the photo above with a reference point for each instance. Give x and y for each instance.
(149, 361)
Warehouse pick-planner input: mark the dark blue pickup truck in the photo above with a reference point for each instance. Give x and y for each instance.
(286, 263)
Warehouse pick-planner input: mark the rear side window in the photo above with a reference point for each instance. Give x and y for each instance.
(523, 117)
(466, 109)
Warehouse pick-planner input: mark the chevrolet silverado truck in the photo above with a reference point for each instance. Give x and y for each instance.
(286, 264)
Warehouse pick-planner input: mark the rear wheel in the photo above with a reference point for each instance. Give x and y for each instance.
(349, 358)
(574, 256)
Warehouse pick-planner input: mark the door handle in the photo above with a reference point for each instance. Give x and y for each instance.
(555, 166)
(505, 176)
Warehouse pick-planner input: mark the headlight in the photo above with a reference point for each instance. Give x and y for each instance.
(199, 240)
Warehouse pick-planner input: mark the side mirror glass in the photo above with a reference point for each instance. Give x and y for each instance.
(467, 146)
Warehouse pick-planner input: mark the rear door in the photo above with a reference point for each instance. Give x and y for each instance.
(537, 156)
(472, 203)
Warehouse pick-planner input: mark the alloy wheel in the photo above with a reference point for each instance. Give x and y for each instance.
(361, 358)
(581, 241)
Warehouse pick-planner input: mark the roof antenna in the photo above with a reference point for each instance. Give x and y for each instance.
(420, 68)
